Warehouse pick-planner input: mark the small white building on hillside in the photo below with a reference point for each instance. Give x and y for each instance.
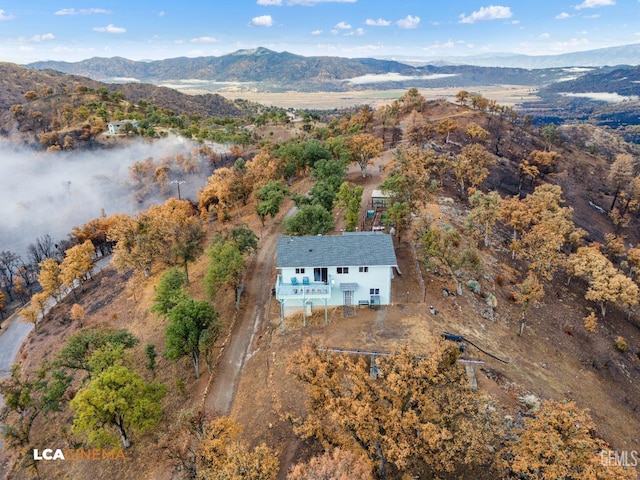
(115, 127)
(333, 270)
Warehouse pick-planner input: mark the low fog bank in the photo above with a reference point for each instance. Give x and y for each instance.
(50, 193)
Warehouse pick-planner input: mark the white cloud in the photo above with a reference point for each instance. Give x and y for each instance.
(38, 38)
(595, 4)
(363, 49)
(269, 2)
(161, 14)
(381, 22)
(492, 12)
(6, 16)
(562, 16)
(438, 45)
(571, 45)
(316, 32)
(204, 40)
(544, 36)
(356, 32)
(110, 29)
(262, 21)
(408, 22)
(82, 11)
(343, 26)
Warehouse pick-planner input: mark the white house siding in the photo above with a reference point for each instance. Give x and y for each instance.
(376, 278)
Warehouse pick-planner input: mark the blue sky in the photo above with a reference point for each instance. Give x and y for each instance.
(71, 30)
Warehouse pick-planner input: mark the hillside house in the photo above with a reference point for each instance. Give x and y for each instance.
(115, 127)
(352, 269)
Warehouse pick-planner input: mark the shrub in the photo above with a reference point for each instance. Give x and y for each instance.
(590, 322)
(531, 402)
(621, 344)
(474, 286)
(491, 300)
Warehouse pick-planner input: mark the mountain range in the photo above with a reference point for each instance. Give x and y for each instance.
(611, 56)
(287, 71)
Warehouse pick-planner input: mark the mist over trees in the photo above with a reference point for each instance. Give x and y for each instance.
(46, 195)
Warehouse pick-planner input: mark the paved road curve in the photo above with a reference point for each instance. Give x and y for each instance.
(13, 334)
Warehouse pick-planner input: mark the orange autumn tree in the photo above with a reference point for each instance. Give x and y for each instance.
(420, 417)
(557, 441)
(484, 214)
(541, 227)
(364, 148)
(446, 127)
(222, 456)
(170, 233)
(225, 188)
(606, 283)
(528, 293)
(476, 133)
(337, 464)
(77, 265)
(49, 277)
(620, 176)
(95, 230)
(471, 167)
(418, 130)
(216, 195)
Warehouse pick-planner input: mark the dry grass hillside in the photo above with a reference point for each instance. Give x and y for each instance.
(35, 105)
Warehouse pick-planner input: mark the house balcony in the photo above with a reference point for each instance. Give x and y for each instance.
(305, 290)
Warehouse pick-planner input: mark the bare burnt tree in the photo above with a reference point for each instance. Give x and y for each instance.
(27, 271)
(9, 263)
(41, 249)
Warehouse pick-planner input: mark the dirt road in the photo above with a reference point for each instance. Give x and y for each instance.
(258, 283)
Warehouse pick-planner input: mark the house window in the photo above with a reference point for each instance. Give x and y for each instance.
(363, 269)
(374, 291)
(299, 270)
(343, 269)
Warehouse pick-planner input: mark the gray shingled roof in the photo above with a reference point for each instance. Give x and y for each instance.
(351, 249)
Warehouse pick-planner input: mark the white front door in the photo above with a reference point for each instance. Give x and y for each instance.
(348, 297)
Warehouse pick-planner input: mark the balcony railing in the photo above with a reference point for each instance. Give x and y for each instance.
(302, 290)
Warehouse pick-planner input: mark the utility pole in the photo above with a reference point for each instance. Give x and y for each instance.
(178, 182)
